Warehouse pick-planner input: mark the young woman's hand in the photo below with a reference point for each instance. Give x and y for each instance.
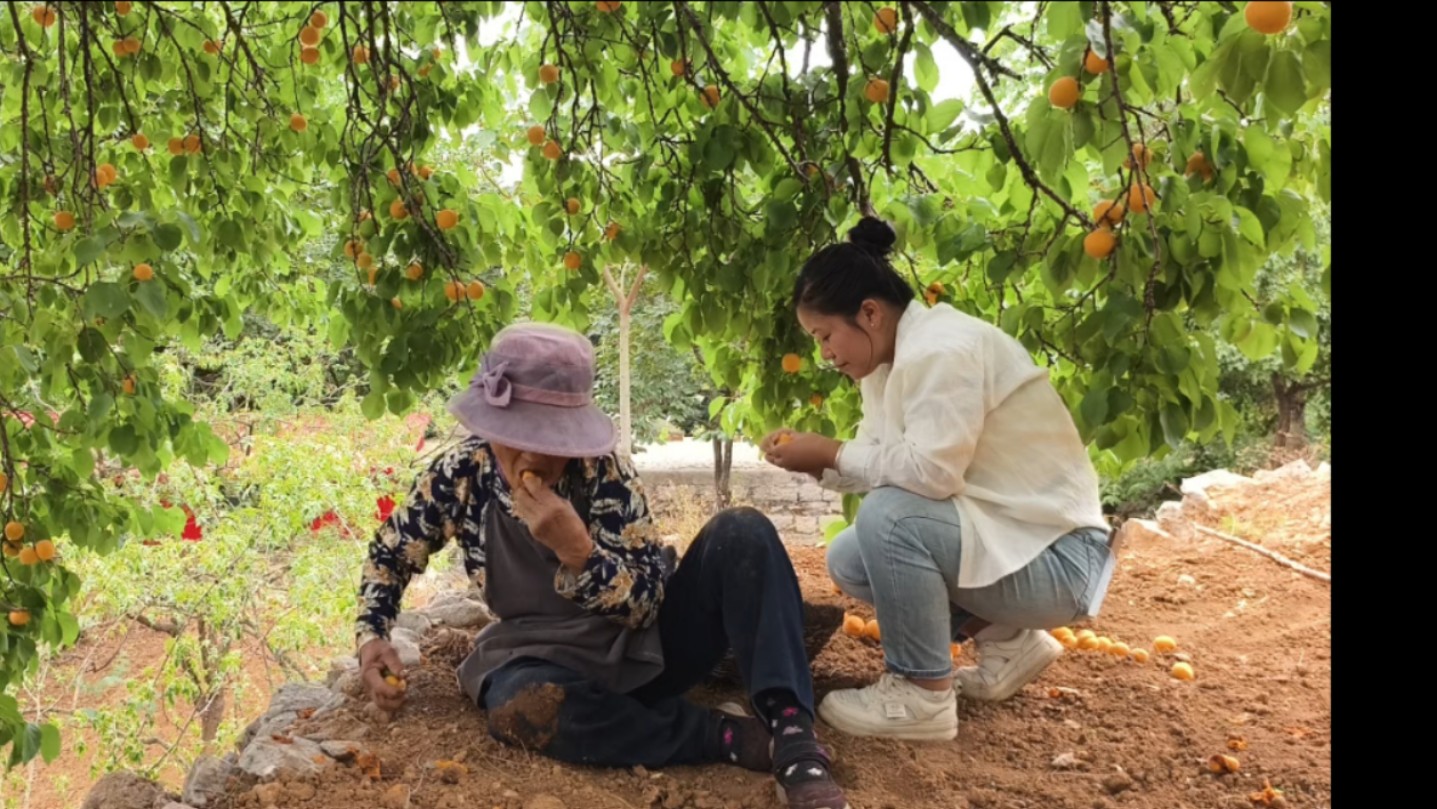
(780, 436)
(807, 453)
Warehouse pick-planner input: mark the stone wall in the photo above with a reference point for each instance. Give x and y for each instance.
(798, 506)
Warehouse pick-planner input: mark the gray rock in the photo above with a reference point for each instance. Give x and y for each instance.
(406, 645)
(414, 621)
(1297, 470)
(1143, 529)
(1217, 477)
(1065, 761)
(123, 790)
(464, 614)
(340, 750)
(340, 726)
(267, 758)
(173, 805)
(1173, 521)
(296, 697)
(1117, 782)
(266, 726)
(207, 780)
(338, 667)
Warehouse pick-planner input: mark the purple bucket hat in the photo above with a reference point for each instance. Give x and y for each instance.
(534, 392)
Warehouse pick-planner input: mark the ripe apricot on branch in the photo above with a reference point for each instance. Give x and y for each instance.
(1141, 198)
(1108, 212)
(1267, 17)
(876, 91)
(1099, 243)
(1064, 93)
(886, 20)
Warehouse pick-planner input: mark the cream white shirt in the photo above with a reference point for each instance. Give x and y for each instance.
(963, 413)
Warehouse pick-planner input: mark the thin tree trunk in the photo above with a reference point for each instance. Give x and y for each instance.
(723, 468)
(626, 415)
(1291, 413)
(625, 303)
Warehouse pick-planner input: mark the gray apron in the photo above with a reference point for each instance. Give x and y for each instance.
(535, 621)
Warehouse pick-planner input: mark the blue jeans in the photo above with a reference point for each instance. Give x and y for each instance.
(735, 588)
(902, 555)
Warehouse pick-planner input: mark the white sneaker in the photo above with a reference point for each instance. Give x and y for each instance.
(1005, 666)
(894, 708)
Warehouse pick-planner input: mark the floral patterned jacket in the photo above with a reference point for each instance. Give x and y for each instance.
(623, 579)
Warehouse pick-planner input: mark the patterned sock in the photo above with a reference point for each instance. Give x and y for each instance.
(797, 756)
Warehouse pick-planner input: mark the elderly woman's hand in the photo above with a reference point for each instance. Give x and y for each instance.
(552, 520)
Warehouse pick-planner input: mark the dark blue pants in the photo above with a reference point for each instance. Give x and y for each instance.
(735, 587)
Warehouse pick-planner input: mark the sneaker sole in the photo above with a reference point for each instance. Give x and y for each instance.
(1035, 666)
(862, 728)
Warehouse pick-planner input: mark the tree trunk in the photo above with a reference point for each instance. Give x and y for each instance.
(723, 468)
(625, 302)
(626, 417)
(212, 714)
(1291, 413)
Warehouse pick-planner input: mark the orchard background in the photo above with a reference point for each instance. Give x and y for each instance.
(249, 249)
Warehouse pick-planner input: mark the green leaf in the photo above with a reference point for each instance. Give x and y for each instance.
(926, 69)
(231, 234)
(190, 226)
(1272, 160)
(1064, 20)
(89, 249)
(151, 296)
(92, 345)
(1317, 60)
(718, 153)
(105, 299)
(373, 405)
(10, 711)
(787, 189)
(49, 734)
(943, 114)
(1174, 420)
(123, 440)
(1303, 323)
(168, 237)
(1285, 85)
(1094, 407)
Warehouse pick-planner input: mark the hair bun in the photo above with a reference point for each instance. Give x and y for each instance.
(873, 234)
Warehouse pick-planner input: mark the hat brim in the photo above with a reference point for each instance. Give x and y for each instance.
(566, 432)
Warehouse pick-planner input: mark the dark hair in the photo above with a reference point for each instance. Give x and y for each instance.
(839, 278)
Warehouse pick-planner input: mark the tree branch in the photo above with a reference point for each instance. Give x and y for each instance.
(893, 79)
(974, 59)
(698, 27)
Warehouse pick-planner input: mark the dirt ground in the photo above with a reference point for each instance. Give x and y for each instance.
(1094, 731)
